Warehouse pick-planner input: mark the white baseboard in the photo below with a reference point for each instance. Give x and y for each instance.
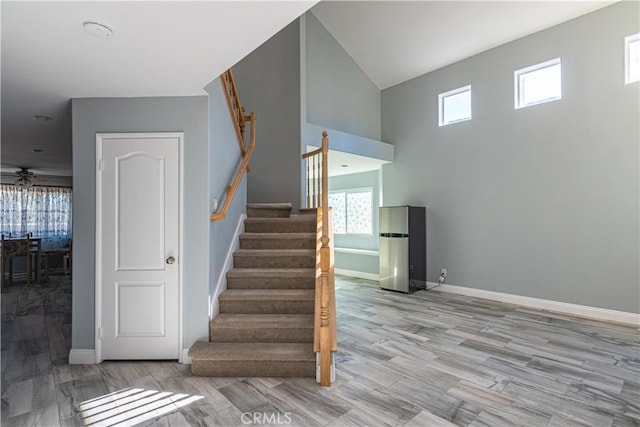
(543, 304)
(359, 274)
(221, 285)
(184, 357)
(82, 356)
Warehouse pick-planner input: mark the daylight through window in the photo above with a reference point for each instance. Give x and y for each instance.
(41, 211)
(538, 84)
(454, 106)
(352, 211)
(632, 58)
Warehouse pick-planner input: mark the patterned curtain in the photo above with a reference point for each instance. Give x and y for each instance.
(43, 211)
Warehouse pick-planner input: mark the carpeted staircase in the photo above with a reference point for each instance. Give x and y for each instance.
(265, 325)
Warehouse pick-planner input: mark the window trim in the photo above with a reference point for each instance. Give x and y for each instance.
(628, 40)
(354, 190)
(443, 96)
(517, 89)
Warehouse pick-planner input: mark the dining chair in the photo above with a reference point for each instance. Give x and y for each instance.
(67, 259)
(15, 248)
(63, 253)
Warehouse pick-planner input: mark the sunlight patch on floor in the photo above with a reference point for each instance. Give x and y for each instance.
(131, 406)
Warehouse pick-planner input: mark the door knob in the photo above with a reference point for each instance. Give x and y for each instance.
(171, 260)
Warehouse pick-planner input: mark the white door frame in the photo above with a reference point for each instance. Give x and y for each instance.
(98, 231)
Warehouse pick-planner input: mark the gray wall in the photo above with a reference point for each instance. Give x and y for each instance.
(339, 95)
(180, 114)
(224, 158)
(540, 201)
(268, 82)
(350, 261)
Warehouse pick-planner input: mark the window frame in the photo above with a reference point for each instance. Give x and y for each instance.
(441, 98)
(518, 88)
(628, 40)
(346, 210)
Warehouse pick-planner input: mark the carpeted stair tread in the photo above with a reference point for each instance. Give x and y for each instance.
(267, 294)
(271, 278)
(285, 328)
(278, 236)
(271, 272)
(267, 301)
(268, 210)
(228, 320)
(225, 351)
(278, 241)
(275, 252)
(274, 258)
(293, 224)
(291, 219)
(269, 205)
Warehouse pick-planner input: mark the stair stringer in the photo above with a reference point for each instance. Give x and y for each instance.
(221, 283)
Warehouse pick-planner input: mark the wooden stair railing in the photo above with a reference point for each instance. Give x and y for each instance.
(239, 122)
(325, 339)
(235, 108)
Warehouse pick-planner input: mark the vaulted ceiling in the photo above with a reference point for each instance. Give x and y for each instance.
(394, 41)
(176, 48)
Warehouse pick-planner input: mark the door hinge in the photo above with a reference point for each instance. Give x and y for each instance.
(100, 164)
(100, 333)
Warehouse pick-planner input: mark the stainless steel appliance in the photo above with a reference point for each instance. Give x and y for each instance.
(403, 249)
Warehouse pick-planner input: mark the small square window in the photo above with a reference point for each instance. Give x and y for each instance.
(454, 106)
(632, 58)
(538, 83)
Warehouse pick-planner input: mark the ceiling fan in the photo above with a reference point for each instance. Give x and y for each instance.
(24, 177)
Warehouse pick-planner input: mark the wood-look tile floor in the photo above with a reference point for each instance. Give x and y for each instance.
(427, 359)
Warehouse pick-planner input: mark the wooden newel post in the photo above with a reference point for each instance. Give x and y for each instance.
(325, 265)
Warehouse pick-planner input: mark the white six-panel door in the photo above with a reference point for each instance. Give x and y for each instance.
(137, 246)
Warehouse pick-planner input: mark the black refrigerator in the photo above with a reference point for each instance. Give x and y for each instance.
(403, 248)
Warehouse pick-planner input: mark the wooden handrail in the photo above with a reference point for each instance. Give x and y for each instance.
(235, 108)
(239, 122)
(230, 192)
(312, 153)
(325, 339)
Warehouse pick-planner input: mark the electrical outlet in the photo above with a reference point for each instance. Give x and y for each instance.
(443, 272)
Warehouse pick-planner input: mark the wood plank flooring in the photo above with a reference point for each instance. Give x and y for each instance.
(427, 359)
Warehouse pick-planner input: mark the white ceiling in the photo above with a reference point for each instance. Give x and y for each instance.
(176, 48)
(343, 163)
(394, 41)
(158, 49)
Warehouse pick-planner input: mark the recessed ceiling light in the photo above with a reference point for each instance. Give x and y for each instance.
(344, 166)
(37, 150)
(97, 29)
(43, 118)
